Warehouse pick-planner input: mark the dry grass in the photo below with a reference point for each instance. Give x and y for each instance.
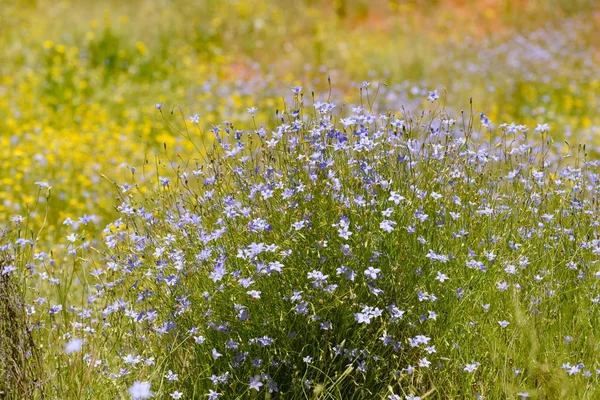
(20, 372)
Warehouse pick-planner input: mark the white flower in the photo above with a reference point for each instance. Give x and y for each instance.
(441, 277)
(199, 339)
(542, 128)
(472, 367)
(396, 197)
(387, 225)
(8, 269)
(372, 273)
(254, 293)
(74, 346)
(424, 362)
(140, 390)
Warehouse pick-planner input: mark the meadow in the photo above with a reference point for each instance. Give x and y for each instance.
(299, 199)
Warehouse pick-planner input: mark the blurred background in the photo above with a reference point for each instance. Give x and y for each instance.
(79, 79)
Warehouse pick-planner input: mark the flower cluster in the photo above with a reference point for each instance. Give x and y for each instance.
(380, 255)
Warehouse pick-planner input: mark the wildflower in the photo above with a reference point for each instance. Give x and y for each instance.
(131, 359)
(568, 339)
(433, 96)
(43, 185)
(471, 367)
(216, 354)
(140, 390)
(199, 339)
(319, 279)
(367, 313)
(194, 119)
(8, 269)
(424, 362)
(17, 219)
(301, 308)
(255, 383)
(396, 197)
(212, 395)
(343, 228)
(438, 257)
(55, 309)
(485, 122)
(503, 324)
(254, 293)
(574, 370)
(158, 106)
(372, 273)
(325, 326)
(387, 225)
(176, 395)
(542, 128)
(441, 277)
(171, 376)
(74, 346)
(252, 110)
(299, 225)
(349, 273)
(418, 340)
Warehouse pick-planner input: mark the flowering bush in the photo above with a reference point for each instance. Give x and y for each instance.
(334, 254)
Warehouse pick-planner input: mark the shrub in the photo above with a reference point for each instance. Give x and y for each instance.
(354, 256)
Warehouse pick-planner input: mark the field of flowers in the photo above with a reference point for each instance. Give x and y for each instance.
(317, 199)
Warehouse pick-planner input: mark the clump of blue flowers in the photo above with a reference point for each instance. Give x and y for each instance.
(346, 255)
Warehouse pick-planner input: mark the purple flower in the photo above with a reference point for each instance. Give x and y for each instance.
(255, 383)
(472, 367)
(433, 96)
(212, 395)
(372, 273)
(140, 390)
(74, 346)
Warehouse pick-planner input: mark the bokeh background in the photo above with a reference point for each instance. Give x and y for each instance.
(79, 79)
